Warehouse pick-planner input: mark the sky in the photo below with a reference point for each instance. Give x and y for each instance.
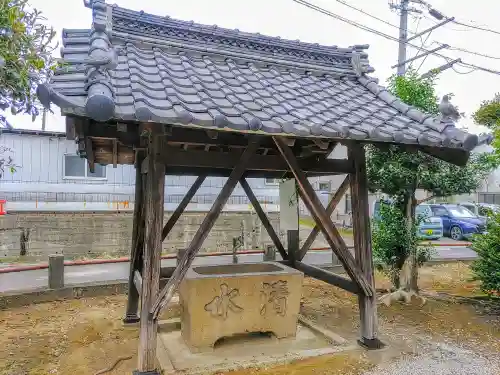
(290, 20)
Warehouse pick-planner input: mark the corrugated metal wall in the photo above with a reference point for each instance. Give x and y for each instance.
(40, 177)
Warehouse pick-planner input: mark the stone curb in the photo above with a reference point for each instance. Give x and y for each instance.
(109, 288)
(34, 296)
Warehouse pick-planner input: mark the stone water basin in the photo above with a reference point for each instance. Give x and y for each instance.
(227, 300)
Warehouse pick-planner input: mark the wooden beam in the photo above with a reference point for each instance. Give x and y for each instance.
(322, 219)
(263, 217)
(115, 153)
(181, 207)
(362, 244)
(328, 277)
(136, 251)
(138, 280)
(90, 154)
(154, 198)
(329, 210)
(221, 172)
(227, 160)
(202, 233)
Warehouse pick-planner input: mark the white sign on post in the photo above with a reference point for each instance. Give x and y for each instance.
(289, 206)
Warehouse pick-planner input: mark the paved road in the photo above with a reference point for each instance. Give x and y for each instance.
(118, 271)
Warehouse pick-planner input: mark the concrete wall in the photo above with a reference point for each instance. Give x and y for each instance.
(109, 234)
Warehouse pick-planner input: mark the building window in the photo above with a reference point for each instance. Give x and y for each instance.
(76, 167)
(324, 186)
(272, 181)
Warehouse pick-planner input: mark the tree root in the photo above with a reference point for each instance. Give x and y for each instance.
(401, 295)
(110, 368)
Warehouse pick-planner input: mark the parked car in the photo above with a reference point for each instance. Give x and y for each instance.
(431, 227)
(481, 209)
(458, 222)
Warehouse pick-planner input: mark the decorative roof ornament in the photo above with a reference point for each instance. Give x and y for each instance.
(100, 104)
(448, 111)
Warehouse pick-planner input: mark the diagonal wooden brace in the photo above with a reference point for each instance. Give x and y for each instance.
(329, 210)
(168, 291)
(263, 217)
(181, 207)
(323, 220)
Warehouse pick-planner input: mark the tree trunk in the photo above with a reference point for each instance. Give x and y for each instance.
(409, 274)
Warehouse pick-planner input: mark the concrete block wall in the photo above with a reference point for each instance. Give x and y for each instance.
(85, 234)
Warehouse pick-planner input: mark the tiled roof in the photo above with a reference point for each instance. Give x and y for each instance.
(134, 66)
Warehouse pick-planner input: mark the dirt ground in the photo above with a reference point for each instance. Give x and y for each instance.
(80, 337)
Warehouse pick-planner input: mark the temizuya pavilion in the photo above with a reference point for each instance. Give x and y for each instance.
(179, 98)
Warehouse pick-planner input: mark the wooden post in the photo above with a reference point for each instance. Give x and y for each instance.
(292, 239)
(329, 210)
(322, 219)
(137, 244)
(362, 245)
(269, 253)
(202, 233)
(153, 199)
(263, 217)
(56, 271)
(181, 207)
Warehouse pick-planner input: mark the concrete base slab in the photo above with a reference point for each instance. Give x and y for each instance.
(241, 351)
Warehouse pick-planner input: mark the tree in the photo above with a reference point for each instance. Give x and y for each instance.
(25, 56)
(392, 241)
(488, 115)
(398, 173)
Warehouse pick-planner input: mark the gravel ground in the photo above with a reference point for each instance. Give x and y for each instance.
(442, 359)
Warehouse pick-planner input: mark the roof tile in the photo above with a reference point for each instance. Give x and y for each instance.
(282, 86)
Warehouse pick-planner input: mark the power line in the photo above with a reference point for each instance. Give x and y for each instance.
(474, 53)
(477, 27)
(371, 15)
(415, 32)
(379, 33)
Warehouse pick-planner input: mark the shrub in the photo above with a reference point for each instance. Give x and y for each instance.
(486, 267)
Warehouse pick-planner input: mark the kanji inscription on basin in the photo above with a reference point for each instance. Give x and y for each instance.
(220, 305)
(274, 297)
(222, 301)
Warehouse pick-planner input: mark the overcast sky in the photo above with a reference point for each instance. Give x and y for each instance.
(290, 20)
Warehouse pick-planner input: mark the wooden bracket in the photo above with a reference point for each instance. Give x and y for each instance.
(263, 218)
(181, 207)
(323, 220)
(329, 210)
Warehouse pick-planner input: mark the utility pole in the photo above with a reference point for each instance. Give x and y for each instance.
(405, 9)
(403, 36)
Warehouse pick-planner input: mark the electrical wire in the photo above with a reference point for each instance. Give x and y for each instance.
(459, 72)
(381, 34)
(487, 29)
(372, 16)
(474, 53)
(423, 46)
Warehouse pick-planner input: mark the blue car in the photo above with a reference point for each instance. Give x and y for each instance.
(458, 222)
(431, 228)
